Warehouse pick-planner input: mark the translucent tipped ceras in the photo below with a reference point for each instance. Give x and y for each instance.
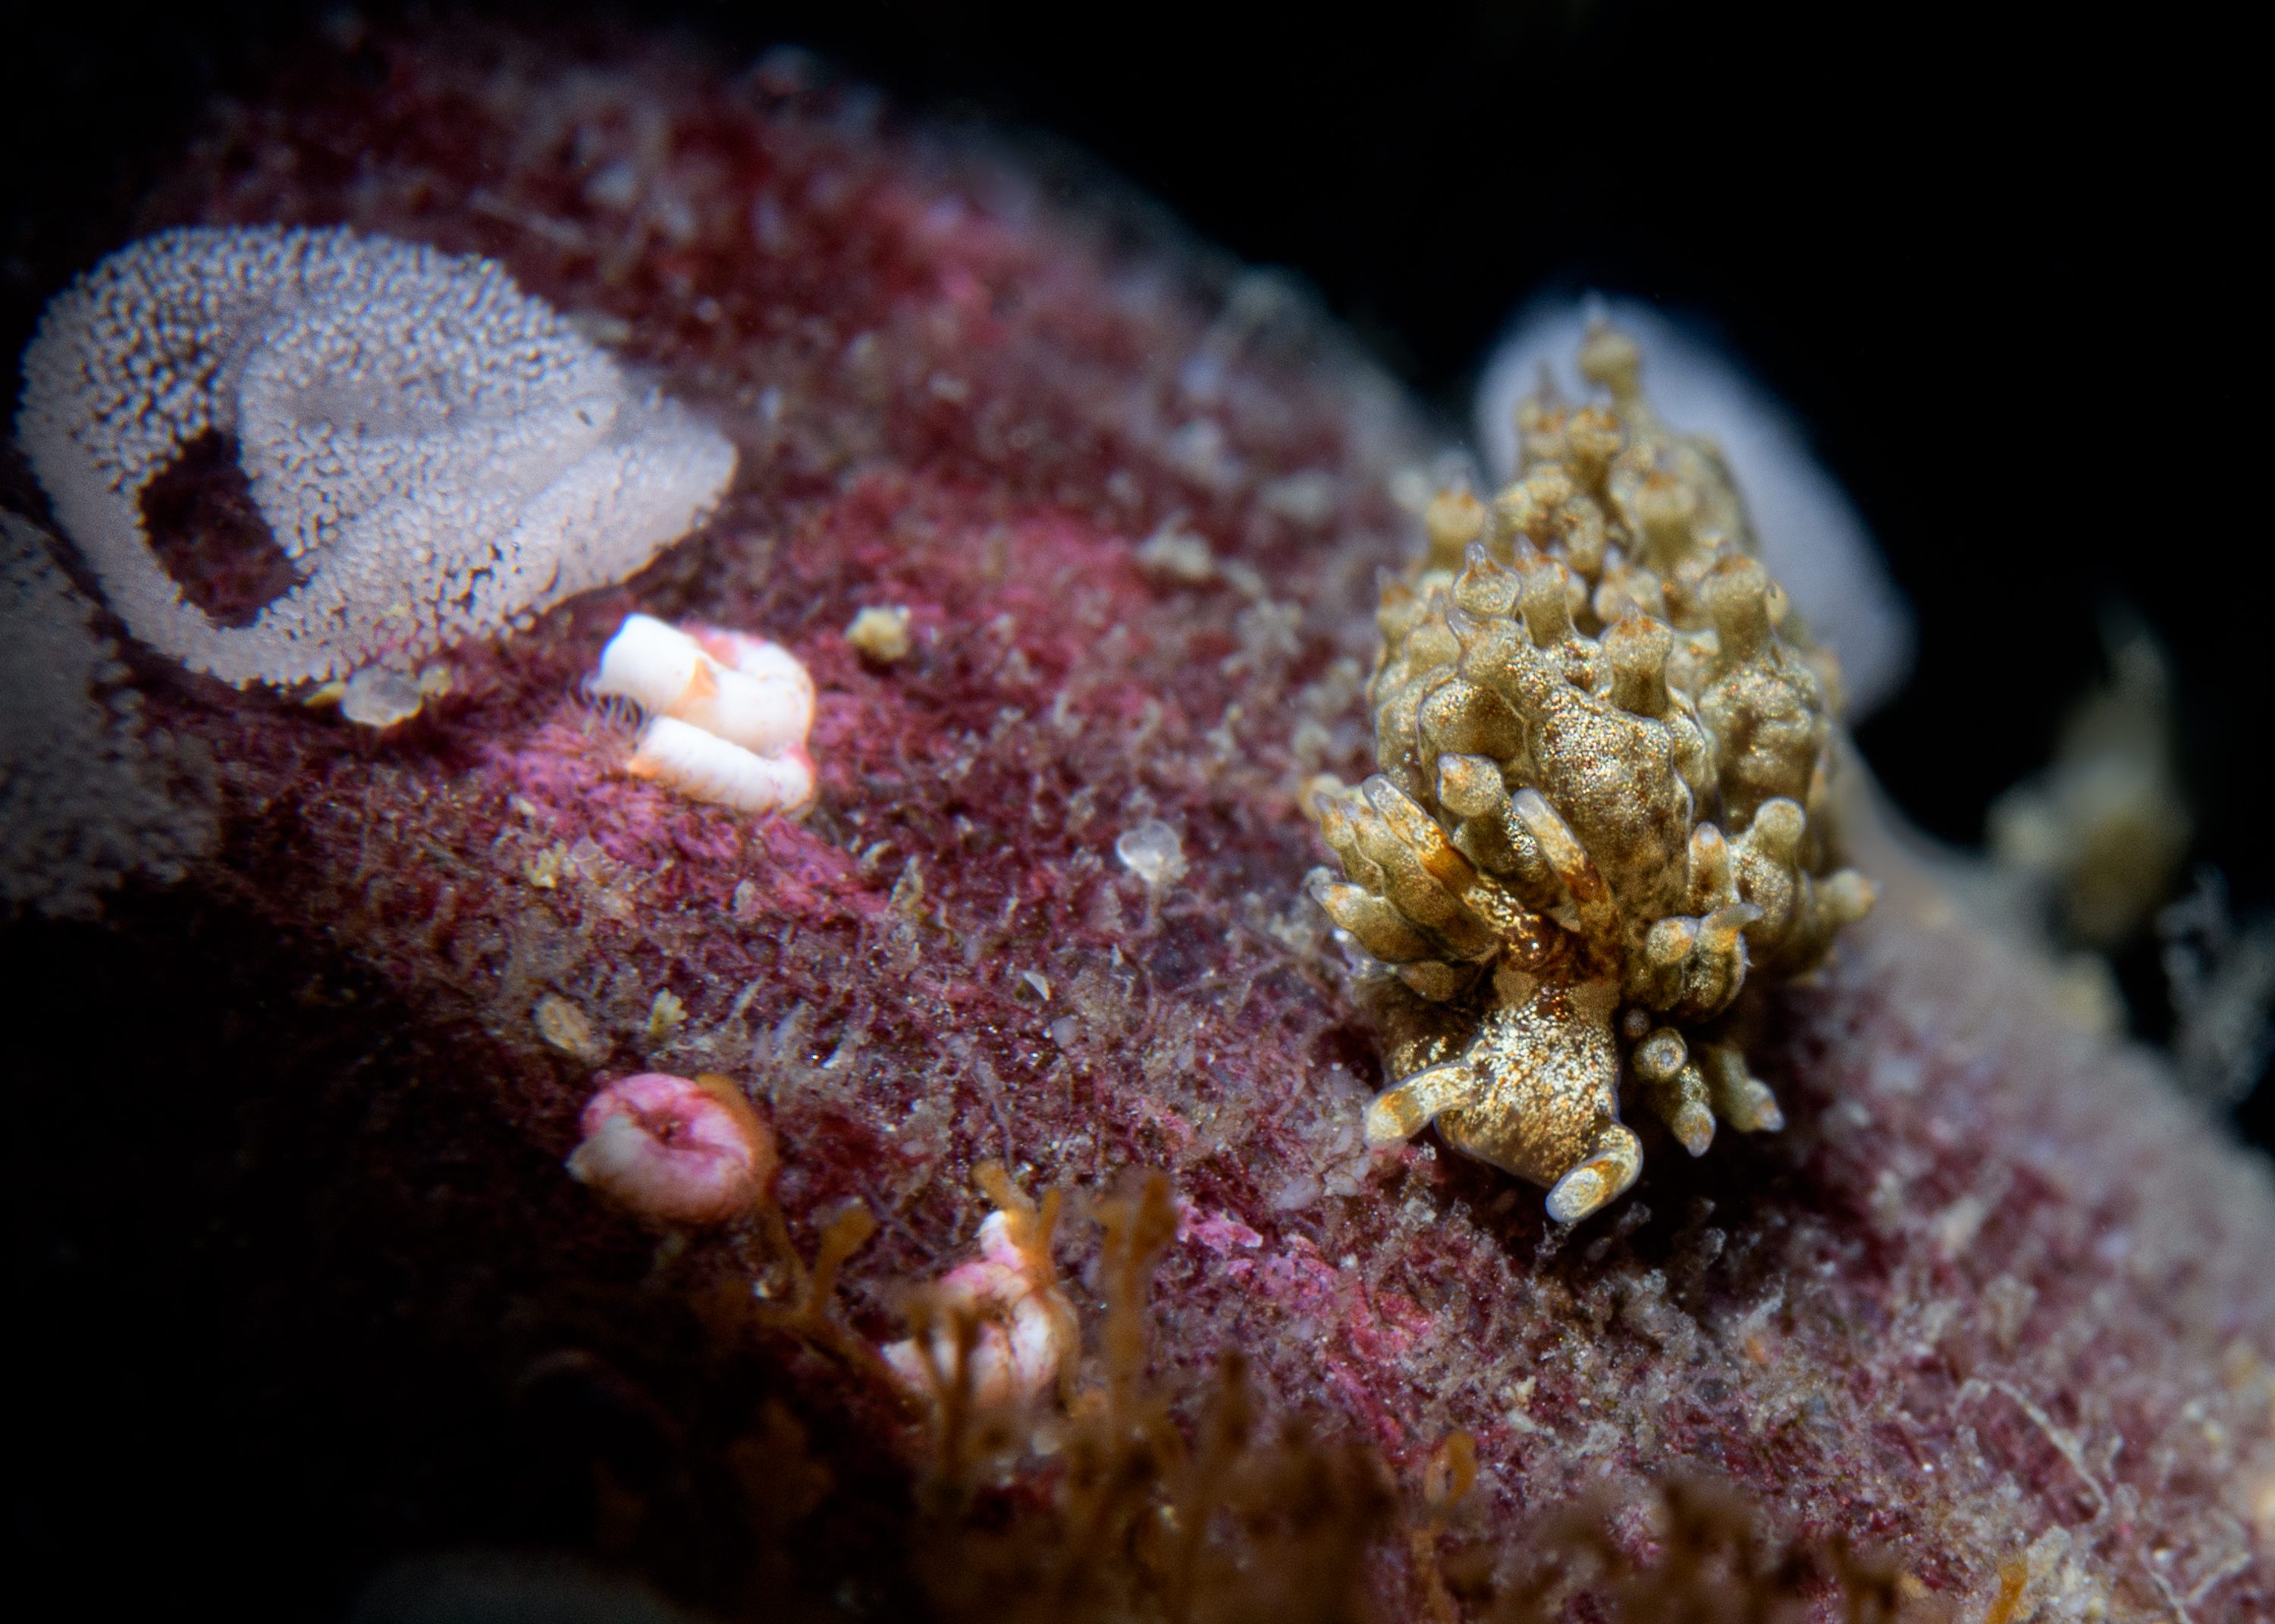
(1601, 811)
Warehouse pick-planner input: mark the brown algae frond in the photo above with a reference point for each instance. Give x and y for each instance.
(1602, 743)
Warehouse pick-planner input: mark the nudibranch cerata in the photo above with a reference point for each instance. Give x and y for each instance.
(1602, 807)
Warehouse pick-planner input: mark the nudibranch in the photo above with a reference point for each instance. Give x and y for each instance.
(1603, 744)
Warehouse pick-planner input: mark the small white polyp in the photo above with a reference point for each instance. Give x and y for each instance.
(1812, 538)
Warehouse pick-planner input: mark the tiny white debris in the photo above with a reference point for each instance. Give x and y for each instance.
(1297, 1191)
(1307, 498)
(665, 1017)
(882, 633)
(1199, 451)
(1175, 554)
(378, 698)
(567, 1028)
(1153, 852)
(1956, 1227)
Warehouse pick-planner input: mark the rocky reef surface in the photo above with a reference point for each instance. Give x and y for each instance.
(1994, 1305)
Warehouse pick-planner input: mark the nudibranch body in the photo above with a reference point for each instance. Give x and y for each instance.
(1603, 746)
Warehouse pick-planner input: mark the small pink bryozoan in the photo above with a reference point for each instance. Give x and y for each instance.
(1025, 1330)
(676, 1150)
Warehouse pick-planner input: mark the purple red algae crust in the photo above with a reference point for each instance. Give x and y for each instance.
(1992, 1281)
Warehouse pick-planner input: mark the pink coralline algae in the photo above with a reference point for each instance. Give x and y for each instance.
(676, 1150)
(1993, 1303)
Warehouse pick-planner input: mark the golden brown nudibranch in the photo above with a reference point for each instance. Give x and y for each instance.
(1602, 743)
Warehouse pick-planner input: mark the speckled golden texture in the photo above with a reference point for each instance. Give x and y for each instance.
(1605, 745)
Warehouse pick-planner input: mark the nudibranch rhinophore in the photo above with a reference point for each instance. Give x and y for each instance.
(1602, 743)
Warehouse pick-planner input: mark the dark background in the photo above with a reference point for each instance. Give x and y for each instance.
(1998, 265)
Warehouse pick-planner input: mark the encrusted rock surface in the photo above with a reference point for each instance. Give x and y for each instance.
(1993, 1301)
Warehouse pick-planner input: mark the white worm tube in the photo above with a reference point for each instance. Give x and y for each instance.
(649, 663)
(706, 767)
(742, 688)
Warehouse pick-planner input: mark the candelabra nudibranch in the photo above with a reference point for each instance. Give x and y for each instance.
(1600, 807)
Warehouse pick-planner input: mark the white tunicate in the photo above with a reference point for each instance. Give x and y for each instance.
(731, 713)
(1153, 852)
(742, 688)
(1811, 536)
(436, 452)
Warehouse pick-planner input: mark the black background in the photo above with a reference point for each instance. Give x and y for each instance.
(1999, 263)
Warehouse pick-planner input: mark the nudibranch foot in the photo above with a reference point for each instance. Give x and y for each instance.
(1536, 1093)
